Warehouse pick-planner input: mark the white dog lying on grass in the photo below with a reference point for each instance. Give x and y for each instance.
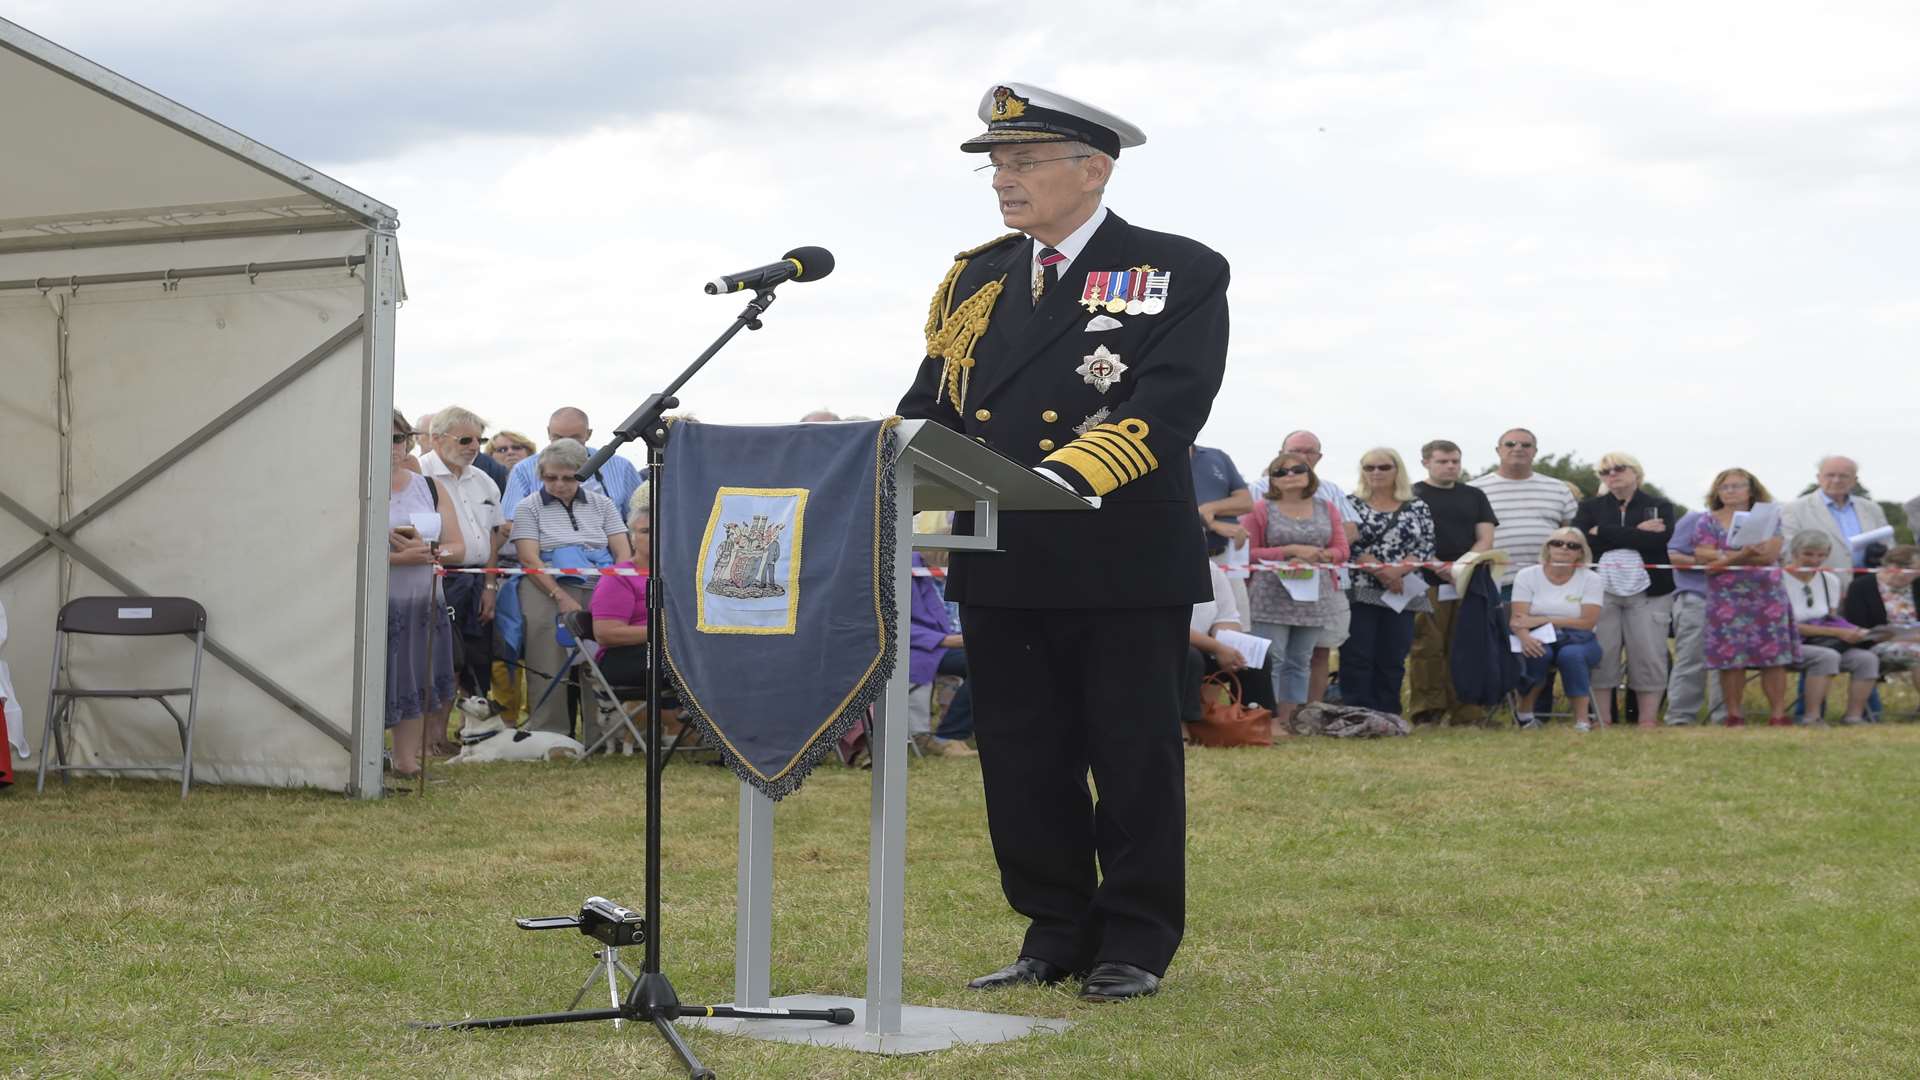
(486, 737)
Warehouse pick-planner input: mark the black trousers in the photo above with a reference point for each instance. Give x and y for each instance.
(473, 639)
(1058, 694)
(1256, 684)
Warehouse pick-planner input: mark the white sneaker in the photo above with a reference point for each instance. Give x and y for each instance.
(1582, 725)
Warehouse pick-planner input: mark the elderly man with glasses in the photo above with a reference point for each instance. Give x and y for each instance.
(1089, 350)
(453, 463)
(1833, 509)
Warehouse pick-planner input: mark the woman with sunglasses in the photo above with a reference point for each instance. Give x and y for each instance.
(1829, 643)
(1395, 531)
(1289, 524)
(1628, 527)
(1748, 620)
(1562, 593)
(509, 448)
(419, 679)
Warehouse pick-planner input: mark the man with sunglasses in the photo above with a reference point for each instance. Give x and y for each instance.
(455, 434)
(1529, 505)
(1089, 350)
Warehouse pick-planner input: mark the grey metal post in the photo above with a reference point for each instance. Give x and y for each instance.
(370, 628)
(887, 856)
(753, 902)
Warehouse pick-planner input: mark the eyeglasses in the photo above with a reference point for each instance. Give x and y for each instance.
(555, 479)
(1568, 545)
(1025, 167)
(1376, 468)
(1611, 469)
(1514, 445)
(401, 436)
(1290, 470)
(465, 440)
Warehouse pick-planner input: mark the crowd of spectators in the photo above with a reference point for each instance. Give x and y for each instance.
(1614, 590)
(1618, 589)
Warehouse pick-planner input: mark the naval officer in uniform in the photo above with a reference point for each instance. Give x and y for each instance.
(1090, 350)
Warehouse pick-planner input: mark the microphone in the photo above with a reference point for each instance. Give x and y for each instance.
(800, 264)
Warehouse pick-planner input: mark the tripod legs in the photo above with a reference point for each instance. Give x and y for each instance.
(607, 964)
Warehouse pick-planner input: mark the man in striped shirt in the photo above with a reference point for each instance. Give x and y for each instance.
(1529, 505)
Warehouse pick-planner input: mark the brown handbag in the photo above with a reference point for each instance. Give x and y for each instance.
(1225, 720)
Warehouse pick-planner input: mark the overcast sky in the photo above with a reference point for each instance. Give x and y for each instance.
(1687, 231)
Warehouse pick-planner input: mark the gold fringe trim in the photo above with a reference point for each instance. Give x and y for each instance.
(953, 331)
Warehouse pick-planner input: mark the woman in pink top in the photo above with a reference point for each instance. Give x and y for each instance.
(1291, 523)
(619, 609)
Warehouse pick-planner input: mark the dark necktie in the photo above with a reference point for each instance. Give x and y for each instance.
(1048, 275)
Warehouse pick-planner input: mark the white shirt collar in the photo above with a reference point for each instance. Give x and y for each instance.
(1073, 245)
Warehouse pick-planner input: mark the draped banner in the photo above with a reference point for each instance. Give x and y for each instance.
(776, 554)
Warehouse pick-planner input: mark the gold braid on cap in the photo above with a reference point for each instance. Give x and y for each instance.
(953, 330)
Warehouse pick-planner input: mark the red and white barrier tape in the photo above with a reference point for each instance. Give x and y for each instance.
(1298, 565)
(555, 571)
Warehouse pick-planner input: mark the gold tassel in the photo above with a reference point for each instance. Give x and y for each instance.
(953, 331)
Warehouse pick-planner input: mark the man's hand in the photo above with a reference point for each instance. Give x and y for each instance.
(487, 597)
(1229, 529)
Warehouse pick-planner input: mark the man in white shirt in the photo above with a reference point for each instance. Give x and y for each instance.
(455, 434)
(1529, 505)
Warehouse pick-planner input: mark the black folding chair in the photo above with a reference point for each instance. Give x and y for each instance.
(122, 616)
(607, 698)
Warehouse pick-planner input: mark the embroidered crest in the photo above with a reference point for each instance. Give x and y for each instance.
(1007, 105)
(749, 563)
(1100, 369)
(1099, 417)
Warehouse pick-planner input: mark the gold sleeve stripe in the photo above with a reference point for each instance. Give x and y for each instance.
(1090, 468)
(1134, 431)
(1117, 463)
(1136, 463)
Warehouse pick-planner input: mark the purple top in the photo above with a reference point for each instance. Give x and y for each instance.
(1686, 537)
(619, 598)
(929, 629)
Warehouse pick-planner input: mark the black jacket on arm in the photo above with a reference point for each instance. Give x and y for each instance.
(1025, 397)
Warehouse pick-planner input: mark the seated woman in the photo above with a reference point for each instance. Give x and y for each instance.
(1563, 593)
(1828, 642)
(933, 649)
(563, 524)
(619, 609)
(1890, 597)
(1206, 653)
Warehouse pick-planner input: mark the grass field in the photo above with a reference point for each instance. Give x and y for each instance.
(1462, 903)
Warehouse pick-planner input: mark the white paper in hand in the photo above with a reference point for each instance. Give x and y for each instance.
(1415, 587)
(1542, 634)
(1881, 535)
(1239, 558)
(1302, 585)
(1755, 526)
(427, 525)
(1252, 649)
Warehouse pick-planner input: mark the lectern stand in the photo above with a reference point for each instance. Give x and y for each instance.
(936, 469)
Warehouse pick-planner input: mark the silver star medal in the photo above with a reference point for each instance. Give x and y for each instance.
(1101, 369)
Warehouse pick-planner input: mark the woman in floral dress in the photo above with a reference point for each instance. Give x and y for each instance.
(1396, 530)
(1749, 622)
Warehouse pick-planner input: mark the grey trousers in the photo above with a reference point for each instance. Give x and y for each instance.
(1690, 684)
(543, 653)
(1640, 623)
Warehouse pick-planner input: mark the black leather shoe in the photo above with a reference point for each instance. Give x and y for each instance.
(1111, 980)
(1025, 971)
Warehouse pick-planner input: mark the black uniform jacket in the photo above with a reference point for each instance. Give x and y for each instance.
(1026, 398)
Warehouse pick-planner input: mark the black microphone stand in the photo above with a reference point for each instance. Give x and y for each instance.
(652, 997)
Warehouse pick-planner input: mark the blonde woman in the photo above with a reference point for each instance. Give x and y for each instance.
(1628, 528)
(1562, 593)
(1395, 531)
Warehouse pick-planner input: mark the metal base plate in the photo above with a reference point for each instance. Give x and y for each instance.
(922, 1029)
